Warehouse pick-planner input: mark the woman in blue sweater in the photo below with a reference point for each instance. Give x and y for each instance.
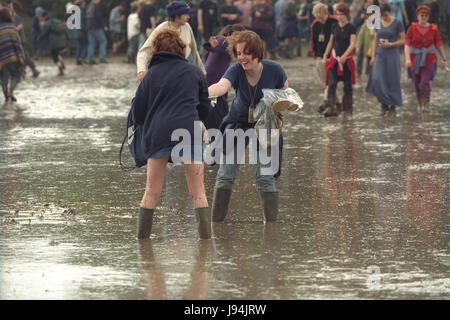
(173, 95)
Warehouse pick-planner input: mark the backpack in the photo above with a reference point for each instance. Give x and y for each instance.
(134, 136)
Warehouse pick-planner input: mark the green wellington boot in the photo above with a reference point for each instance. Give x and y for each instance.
(145, 222)
(203, 216)
(269, 201)
(221, 202)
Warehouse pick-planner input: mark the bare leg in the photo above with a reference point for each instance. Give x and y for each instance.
(156, 170)
(194, 176)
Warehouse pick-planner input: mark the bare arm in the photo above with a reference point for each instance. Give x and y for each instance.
(405, 16)
(328, 49)
(350, 47)
(374, 48)
(153, 22)
(200, 21)
(220, 88)
(442, 53)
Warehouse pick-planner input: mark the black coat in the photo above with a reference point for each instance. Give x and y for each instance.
(172, 95)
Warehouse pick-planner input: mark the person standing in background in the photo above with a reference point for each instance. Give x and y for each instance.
(289, 31)
(133, 31)
(147, 16)
(229, 14)
(96, 31)
(36, 31)
(207, 16)
(246, 8)
(434, 7)
(447, 11)
(410, 7)
(80, 35)
(399, 11)
(116, 26)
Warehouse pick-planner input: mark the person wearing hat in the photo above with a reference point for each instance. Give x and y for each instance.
(422, 41)
(178, 14)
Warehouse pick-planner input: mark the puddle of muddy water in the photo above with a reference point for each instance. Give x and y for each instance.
(364, 202)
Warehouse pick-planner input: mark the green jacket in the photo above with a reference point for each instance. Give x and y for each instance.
(365, 39)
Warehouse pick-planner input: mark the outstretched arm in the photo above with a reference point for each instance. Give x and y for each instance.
(220, 88)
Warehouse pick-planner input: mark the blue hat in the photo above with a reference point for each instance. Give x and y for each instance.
(177, 8)
(38, 10)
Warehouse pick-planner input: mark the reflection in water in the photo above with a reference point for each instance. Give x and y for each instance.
(156, 283)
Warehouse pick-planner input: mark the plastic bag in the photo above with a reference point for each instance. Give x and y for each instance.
(270, 122)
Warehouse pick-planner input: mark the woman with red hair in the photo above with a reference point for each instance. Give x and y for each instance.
(422, 41)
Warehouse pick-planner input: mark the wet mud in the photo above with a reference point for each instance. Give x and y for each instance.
(364, 201)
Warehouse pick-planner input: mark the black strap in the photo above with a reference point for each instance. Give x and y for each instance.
(122, 166)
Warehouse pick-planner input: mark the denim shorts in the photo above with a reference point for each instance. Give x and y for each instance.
(196, 153)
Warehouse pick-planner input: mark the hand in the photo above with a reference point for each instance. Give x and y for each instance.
(201, 29)
(408, 63)
(372, 61)
(141, 75)
(445, 63)
(357, 51)
(106, 29)
(324, 61)
(386, 44)
(213, 42)
(341, 60)
(258, 14)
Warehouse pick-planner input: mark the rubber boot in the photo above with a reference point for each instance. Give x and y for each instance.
(221, 202)
(35, 72)
(203, 217)
(145, 222)
(392, 112)
(384, 109)
(269, 202)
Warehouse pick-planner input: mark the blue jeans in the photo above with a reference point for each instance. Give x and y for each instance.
(82, 46)
(227, 174)
(94, 36)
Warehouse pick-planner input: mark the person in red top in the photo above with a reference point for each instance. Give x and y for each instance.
(422, 41)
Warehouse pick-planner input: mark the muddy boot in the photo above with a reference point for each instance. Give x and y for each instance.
(384, 109)
(391, 112)
(269, 201)
(221, 202)
(35, 72)
(330, 110)
(145, 222)
(203, 217)
(322, 107)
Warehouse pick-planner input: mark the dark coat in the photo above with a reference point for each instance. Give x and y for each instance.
(53, 38)
(172, 95)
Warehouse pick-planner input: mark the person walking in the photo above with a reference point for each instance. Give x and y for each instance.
(96, 31)
(340, 65)
(17, 14)
(384, 78)
(422, 41)
(178, 17)
(245, 6)
(248, 76)
(54, 33)
(173, 95)
(12, 57)
(262, 17)
(147, 17)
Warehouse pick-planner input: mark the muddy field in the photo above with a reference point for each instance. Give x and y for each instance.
(364, 201)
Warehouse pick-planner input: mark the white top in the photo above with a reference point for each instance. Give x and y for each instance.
(144, 54)
(133, 25)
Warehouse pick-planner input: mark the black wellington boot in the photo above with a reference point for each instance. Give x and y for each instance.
(269, 201)
(5, 93)
(203, 216)
(145, 222)
(12, 86)
(221, 202)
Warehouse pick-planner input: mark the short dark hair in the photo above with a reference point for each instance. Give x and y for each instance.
(253, 43)
(5, 16)
(385, 7)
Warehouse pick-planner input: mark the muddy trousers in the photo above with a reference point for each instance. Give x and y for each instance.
(333, 79)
